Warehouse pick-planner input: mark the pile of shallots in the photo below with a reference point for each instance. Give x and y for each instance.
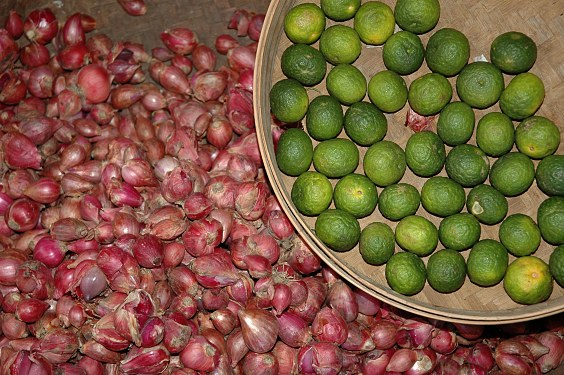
(138, 234)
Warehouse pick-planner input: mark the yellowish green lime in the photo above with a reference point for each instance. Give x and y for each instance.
(346, 83)
(340, 10)
(355, 194)
(480, 84)
(487, 204)
(513, 52)
(429, 94)
(365, 124)
(467, 165)
(537, 137)
(446, 271)
(520, 234)
(288, 100)
(459, 231)
(388, 91)
(528, 280)
(403, 52)
(417, 235)
(456, 123)
(425, 153)
(405, 273)
(335, 157)
(442, 196)
(398, 201)
(550, 219)
(384, 163)
(417, 16)
(324, 118)
(556, 264)
(303, 63)
(312, 193)
(523, 96)
(447, 52)
(377, 243)
(512, 174)
(337, 229)
(304, 23)
(550, 175)
(374, 21)
(294, 152)
(340, 44)
(495, 134)
(487, 262)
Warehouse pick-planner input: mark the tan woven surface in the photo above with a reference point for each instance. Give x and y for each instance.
(481, 21)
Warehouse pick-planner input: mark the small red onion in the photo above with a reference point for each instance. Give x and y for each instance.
(94, 81)
(35, 55)
(239, 21)
(329, 326)
(426, 362)
(180, 40)
(176, 335)
(41, 26)
(93, 283)
(260, 363)
(35, 280)
(443, 341)
(29, 310)
(367, 304)
(59, 345)
(224, 320)
(72, 30)
(214, 299)
(414, 334)
(294, 331)
(14, 24)
(384, 334)
(99, 353)
(214, 270)
(202, 236)
(303, 259)
(255, 26)
(73, 57)
(259, 328)
(203, 58)
(327, 358)
(183, 63)
(23, 215)
(20, 152)
(241, 57)
(199, 354)
(133, 7)
(225, 42)
(12, 327)
(555, 356)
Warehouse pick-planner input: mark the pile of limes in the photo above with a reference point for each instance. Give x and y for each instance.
(346, 169)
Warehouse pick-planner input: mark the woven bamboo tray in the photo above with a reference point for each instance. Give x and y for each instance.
(481, 22)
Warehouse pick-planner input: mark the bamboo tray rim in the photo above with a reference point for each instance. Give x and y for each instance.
(263, 121)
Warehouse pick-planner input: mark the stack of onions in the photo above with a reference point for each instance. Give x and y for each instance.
(138, 234)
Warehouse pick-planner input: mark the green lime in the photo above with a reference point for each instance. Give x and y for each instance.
(355, 194)
(398, 201)
(303, 63)
(346, 83)
(337, 229)
(459, 231)
(447, 52)
(340, 10)
(487, 262)
(365, 124)
(487, 204)
(324, 118)
(513, 52)
(405, 273)
(294, 152)
(417, 16)
(425, 153)
(520, 234)
(467, 165)
(335, 157)
(550, 175)
(377, 243)
(522, 97)
(442, 196)
(374, 21)
(480, 84)
(495, 134)
(537, 137)
(384, 163)
(403, 53)
(388, 91)
(556, 264)
(312, 193)
(550, 219)
(512, 174)
(288, 100)
(340, 44)
(456, 123)
(304, 23)
(429, 94)
(528, 280)
(446, 271)
(417, 235)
